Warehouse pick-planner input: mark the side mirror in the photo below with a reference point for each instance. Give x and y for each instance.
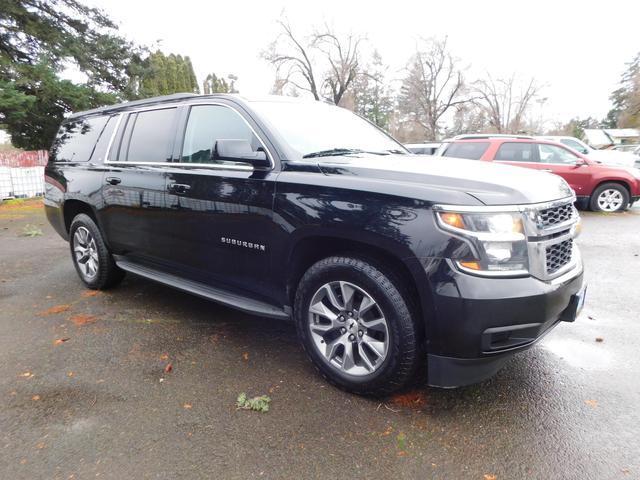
(239, 151)
(580, 163)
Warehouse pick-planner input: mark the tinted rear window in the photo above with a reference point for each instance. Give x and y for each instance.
(468, 150)
(152, 136)
(76, 139)
(517, 152)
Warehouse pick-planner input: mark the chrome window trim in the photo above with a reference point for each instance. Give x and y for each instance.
(211, 166)
(113, 137)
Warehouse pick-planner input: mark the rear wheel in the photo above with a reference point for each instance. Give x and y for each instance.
(91, 257)
(609, 197)
(356, 325)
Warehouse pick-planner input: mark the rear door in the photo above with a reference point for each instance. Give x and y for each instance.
(520, 154)
(134, 183)
(220, 212)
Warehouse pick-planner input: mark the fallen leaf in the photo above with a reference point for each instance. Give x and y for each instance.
(26, 374)
(69, 374)
(41, 445)
(187, 406)
(60, 341)
(599, 339)
(82, 319)
(23, 461)
(48, 297)
(245, 356)
(591, 403)
(90, 293)
(168, 368)
(56, 309)
(387, 431)
(164, 356)
(489, 476)
(35, 398)
(414, 400)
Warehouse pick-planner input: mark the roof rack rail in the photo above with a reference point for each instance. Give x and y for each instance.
(489, 135)
(134, 103)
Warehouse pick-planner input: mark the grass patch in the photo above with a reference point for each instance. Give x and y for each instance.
(31, 231)
(258, 404)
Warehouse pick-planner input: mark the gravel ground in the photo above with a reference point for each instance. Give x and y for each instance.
(86, 391)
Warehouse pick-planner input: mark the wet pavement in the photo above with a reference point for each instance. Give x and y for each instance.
(85, 390)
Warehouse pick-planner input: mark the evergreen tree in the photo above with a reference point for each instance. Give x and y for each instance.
(38, 38)
(215, 84)
(371, 96)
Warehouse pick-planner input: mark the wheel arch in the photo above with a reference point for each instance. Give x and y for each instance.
(619, 181)
(71, 208)
(313, 248)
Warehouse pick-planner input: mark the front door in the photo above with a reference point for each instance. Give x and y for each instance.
(563, 162)
(220, 211)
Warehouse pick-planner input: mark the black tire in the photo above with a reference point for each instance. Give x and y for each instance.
(403, 345)
(620, 189)
(108, 274)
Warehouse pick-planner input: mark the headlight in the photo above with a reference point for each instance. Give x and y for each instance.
(497, 240)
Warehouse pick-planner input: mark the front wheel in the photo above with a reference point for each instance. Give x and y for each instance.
(609, 197)
(356, 325)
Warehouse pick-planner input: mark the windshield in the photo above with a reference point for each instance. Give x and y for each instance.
(315, 128)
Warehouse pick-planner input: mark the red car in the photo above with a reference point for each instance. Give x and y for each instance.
(598, 186)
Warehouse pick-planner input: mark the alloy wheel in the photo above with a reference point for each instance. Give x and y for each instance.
(348, 328)
(610, 200)
(86, 253)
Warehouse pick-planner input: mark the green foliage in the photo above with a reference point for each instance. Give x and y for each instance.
(626, 98)
(215, 84)
(31, 231)
(63, 31)
(39, 38)
(259, 404)
(32, 107)
(372, 97)
(161, 74)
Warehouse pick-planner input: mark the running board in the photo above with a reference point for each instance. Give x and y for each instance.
(223, 297)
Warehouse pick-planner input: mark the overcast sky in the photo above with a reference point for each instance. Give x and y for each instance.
(578, 49)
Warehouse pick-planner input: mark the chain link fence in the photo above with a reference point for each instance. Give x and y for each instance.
(22, 174)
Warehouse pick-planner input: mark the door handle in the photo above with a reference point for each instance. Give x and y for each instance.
(113, 180)
(179, 188)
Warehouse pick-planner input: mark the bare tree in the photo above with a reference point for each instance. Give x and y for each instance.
(433, 85)
(323, 64)
(292, 57)
(505, 101)
(343, 58)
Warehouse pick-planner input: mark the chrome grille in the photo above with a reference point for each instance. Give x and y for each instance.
(555, 215)
(558, 255)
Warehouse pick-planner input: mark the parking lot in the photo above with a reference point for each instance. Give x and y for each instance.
(141, 382)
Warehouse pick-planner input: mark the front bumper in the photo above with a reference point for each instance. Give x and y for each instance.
(480, 322)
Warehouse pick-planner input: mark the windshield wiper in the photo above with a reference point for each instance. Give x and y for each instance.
(340, 151)
(332, 151)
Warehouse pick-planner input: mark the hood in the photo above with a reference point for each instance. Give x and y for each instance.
(611, 157)
(491, 184)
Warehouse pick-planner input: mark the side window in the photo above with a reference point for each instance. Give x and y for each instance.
(516, 152)
(553, 154)
(468, 150)
(76, 140)
(206, 125)
(148, 136)
(575, 145)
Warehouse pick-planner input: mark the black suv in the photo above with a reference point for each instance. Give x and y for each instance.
(298, 209)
